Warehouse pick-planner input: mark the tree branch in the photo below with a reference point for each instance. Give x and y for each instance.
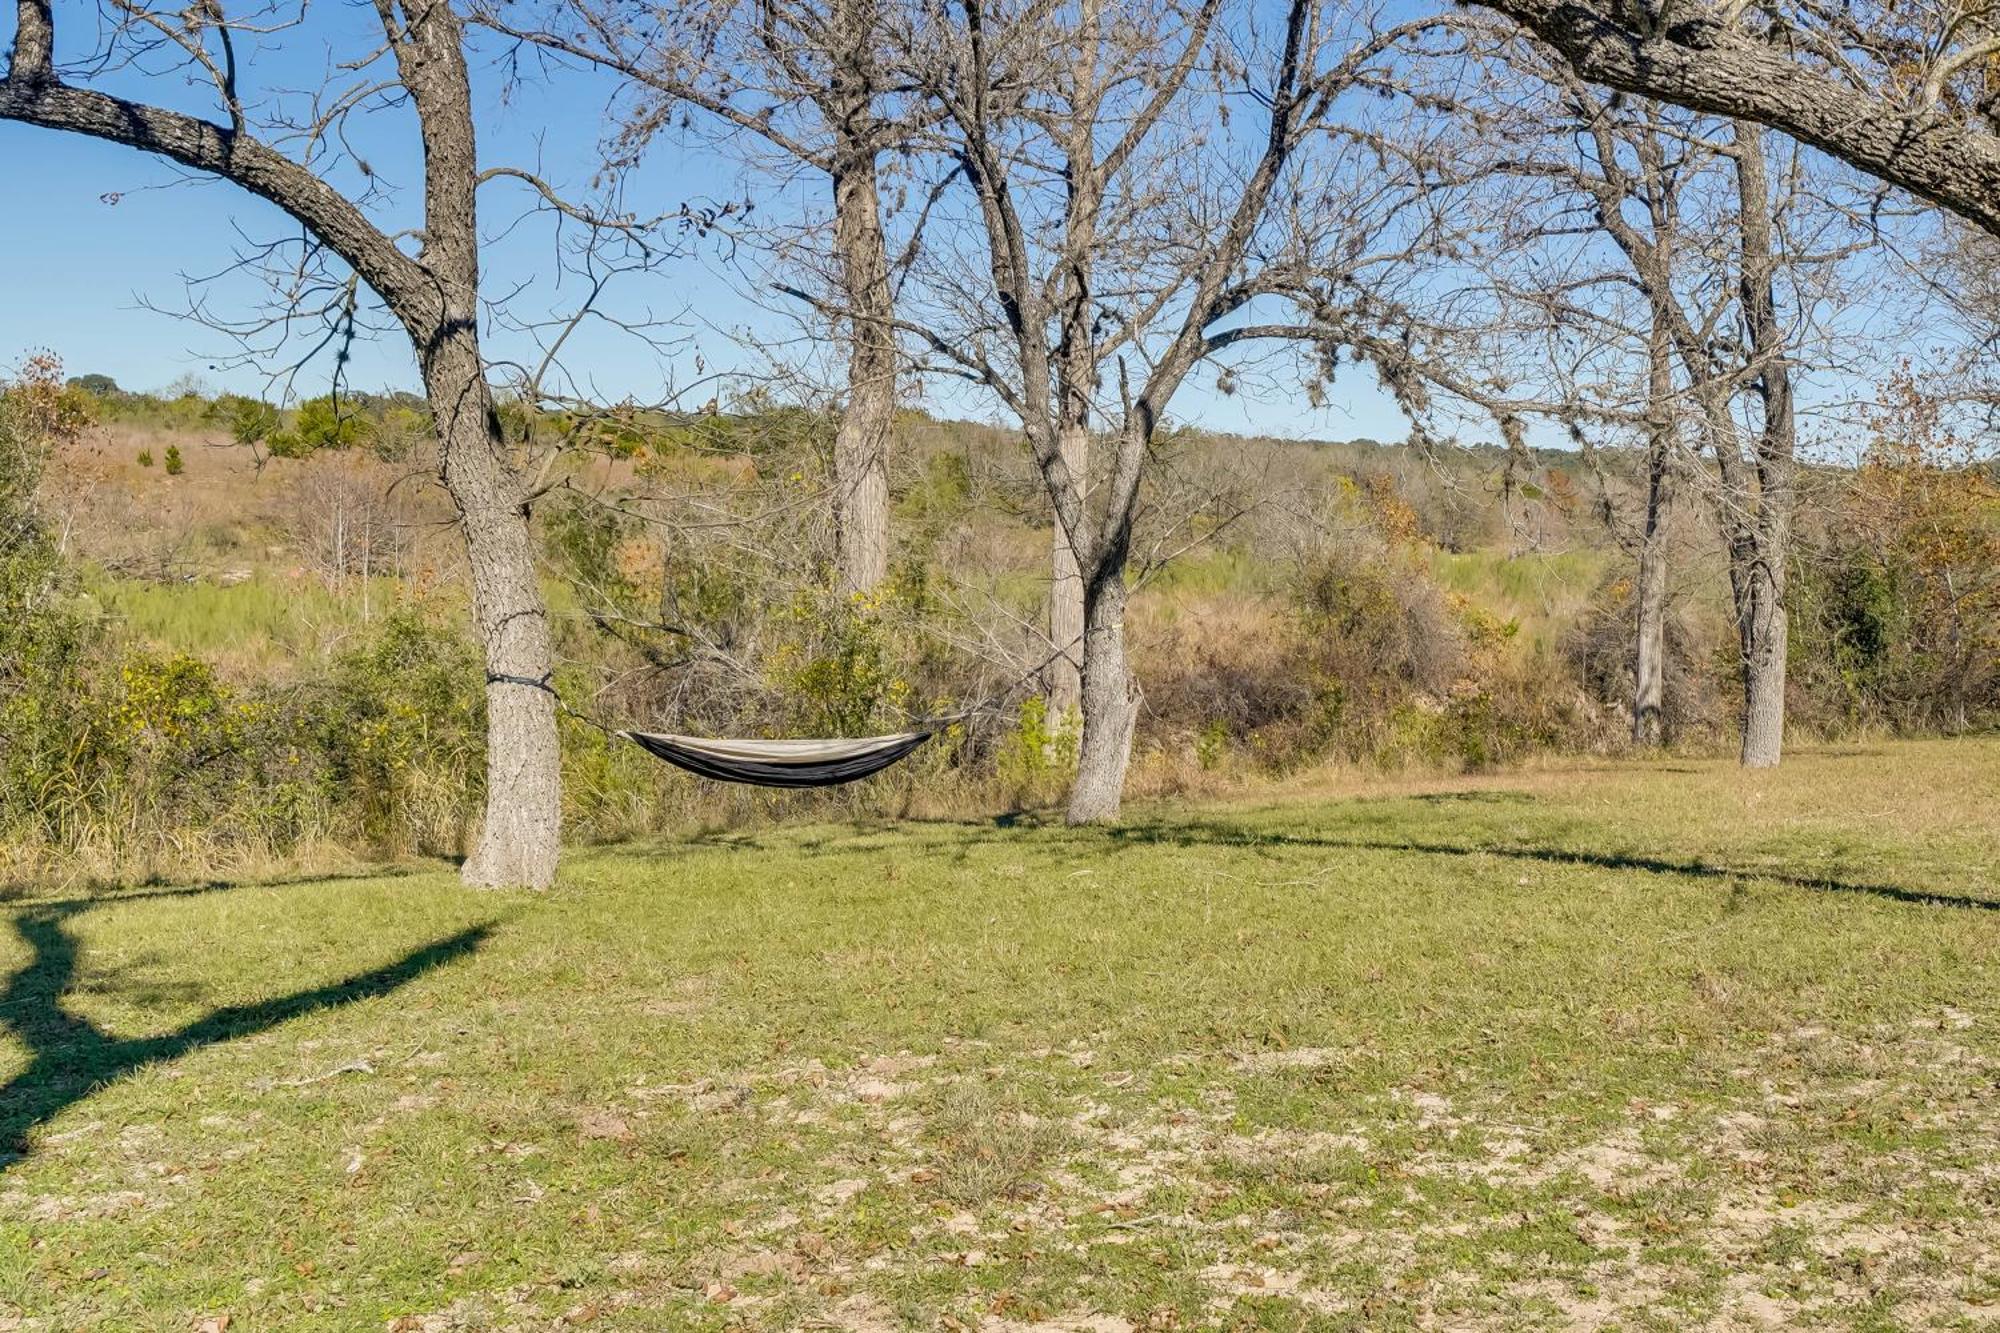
(1705, 65)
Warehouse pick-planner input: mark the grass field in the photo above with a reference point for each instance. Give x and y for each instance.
(1645, 1046)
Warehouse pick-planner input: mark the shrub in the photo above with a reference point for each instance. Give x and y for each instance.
(1600, 652)
(1038, 754)
(248, 420)
(320, 423)
(832, 665)
(174, 462)
(404, 732)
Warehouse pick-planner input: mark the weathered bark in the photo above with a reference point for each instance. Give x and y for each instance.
(1706, 65)
(1110, 707)
(521, 834)
(1650, 659)
(1760, 524)
(520, 837)
(1764, 633)
(1066, 611)
(861, 448)
(435, 296)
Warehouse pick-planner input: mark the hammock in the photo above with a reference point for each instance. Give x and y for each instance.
(811, 763)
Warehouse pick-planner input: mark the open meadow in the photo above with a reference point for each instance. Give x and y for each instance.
(1636, 1045)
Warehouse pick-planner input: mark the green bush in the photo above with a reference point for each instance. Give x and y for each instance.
(321, 423)
(404, 732)
(248, 420)
(833, 668)
(1037, 756)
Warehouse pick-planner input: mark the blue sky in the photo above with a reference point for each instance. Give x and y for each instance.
(111, 232)
(107, 232)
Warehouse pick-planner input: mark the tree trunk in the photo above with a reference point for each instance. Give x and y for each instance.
(1764, 647)
(1650, 660)
(861, 448)
(1649, 686)
(520, 837)
(1759, 564)
(1066, 618)
(1110, 706)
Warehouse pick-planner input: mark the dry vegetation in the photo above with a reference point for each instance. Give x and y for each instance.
(263, 666)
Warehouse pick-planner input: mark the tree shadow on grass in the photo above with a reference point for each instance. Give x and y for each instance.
(154, 889)
(1225, 835)
(70, 1057)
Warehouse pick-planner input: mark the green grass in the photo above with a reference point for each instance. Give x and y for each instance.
(260, 621)
(1640, 1046)
(1541, 591)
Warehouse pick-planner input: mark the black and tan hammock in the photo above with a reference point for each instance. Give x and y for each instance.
(794, 763)
(824, 762)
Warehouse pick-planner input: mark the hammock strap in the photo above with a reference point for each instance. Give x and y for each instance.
(547, 685)
(502, 678)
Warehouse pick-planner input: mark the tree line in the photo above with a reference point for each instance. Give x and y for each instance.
(1072, 210)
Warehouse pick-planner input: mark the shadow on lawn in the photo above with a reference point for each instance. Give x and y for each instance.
(1224, 835)
(152, 890)
(71, 1057)
(1040, 836)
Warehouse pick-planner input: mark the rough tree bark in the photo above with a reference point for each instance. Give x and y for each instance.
(861, 447)
(1066, 619)
(434, 296)
(1705, 62)
(521, 834)
(1650, 658)
(1110, 706)
(1760, 525)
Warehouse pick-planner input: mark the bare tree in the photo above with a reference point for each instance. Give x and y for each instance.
(811, 83)
(1758, 513)
(1906, 93)
(1620, 171)
(433, 294)
(1116, 223)
(1672, 277)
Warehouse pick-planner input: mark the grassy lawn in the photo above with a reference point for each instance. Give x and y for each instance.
(1643, 1046)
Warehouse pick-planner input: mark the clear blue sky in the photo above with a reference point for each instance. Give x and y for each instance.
(95, 233)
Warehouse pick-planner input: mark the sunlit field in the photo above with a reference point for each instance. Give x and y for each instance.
(1643, 1046)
